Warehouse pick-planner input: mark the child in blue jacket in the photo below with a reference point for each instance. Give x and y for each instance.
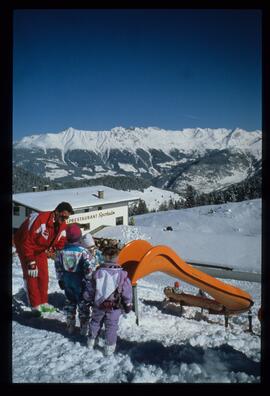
(73, 264)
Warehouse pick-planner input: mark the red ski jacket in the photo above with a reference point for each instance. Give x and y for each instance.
(37, 234)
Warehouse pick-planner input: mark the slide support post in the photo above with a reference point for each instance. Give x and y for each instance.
(250, 321)
(135, 303)
(226, 317)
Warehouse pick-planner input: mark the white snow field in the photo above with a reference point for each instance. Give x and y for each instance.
(164, 348)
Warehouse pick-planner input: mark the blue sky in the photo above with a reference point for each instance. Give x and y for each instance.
(173, 69)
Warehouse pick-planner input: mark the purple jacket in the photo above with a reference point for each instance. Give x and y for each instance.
(104, 282)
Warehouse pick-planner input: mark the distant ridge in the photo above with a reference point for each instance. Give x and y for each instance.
(208, 159)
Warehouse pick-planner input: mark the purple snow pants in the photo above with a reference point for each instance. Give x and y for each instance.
(110, 319)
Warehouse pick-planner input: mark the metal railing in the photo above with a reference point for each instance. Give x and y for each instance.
(224, 272)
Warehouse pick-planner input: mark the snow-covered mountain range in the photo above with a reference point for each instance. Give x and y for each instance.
(207, 159)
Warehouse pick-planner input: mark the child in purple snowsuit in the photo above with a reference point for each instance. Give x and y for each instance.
(109, 292)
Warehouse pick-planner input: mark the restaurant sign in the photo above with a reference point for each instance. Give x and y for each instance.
(90, 216)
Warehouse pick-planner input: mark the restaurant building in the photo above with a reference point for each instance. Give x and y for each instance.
(94, 207)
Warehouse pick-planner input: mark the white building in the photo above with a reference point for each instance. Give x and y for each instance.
(94, 206)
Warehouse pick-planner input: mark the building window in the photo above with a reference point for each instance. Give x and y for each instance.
(16, 210)
(86, 210)
(119, 220)
(28, 211)
(99, 208)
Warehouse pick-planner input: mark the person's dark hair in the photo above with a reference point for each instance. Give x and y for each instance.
(110, 251)
(64, 206)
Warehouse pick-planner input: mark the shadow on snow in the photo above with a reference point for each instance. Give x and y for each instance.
(155, 353)
(58, 300)
(149, 352)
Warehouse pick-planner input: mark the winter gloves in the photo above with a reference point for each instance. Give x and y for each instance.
(32, 269)
(61, 284)
(51, 253)
(127, 308)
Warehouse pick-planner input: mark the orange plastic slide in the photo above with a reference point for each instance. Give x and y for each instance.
(139, 258)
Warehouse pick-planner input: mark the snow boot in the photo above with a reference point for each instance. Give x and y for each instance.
(83, 327)
(35, 312)
(71, 324)
(99, 342)
(46, 308)
(91, 342)
(109, 349)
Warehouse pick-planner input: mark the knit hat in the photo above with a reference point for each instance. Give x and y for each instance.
(73, 233)
(88, 241)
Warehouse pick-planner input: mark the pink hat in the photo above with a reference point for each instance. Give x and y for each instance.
(73, 232)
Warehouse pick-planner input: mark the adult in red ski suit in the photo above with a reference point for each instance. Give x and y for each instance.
(39, 236)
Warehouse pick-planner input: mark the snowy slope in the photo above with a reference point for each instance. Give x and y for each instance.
(154, 197)
(228, 234)
(164, 348)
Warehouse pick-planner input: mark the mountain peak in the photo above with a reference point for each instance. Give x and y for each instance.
(70, 130)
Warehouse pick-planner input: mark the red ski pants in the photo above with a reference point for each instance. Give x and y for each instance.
(37, 288)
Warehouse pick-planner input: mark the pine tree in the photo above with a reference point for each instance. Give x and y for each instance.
(170, 204)
(163, 207)
(190, 196)
(131, 221)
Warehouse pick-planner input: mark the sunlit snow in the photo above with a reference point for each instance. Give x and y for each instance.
(196, 139)
(164, 348)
